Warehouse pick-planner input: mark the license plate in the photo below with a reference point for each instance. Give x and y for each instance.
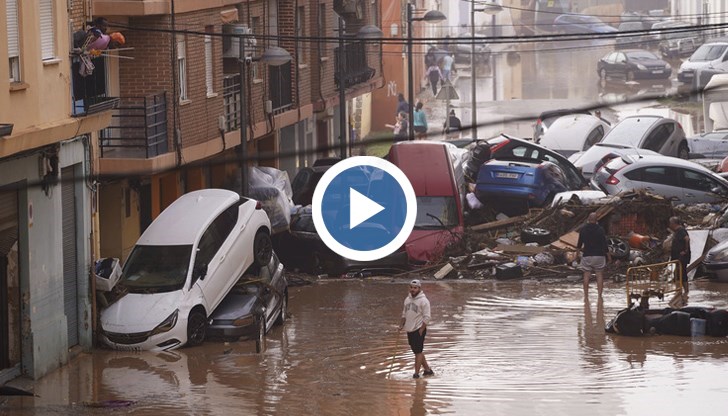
(505, 175)
(658, 71)
(125, 348)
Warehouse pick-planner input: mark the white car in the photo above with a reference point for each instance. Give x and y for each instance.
(680, 181)
(574, 133)
(713, 55)
(182, 267)
(635, 135)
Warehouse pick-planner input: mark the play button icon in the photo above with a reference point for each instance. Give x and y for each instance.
(361, 208)
(364, 208)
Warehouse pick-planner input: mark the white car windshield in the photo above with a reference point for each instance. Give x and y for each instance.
(152, 269)
(630, 131)
(708, 53)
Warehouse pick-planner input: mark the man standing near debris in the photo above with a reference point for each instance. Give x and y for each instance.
(680, 249)
(593, 245)
(415, 317)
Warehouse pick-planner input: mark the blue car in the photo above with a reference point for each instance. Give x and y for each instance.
(580, 24)
(514, 185)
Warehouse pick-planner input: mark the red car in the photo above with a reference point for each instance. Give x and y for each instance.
(432, 170)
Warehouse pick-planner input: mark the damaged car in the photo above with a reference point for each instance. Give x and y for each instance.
(182, 267)
(253, 306)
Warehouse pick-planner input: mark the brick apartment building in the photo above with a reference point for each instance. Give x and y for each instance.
(177, 126)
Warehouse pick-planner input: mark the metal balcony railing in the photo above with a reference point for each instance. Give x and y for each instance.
(354, 69)
(231, 101)
(138, 128)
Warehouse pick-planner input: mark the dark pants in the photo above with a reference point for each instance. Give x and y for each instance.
(433, 83)
(416, 341)
(684, 261)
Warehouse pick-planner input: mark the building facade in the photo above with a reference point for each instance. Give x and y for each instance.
(47, 213)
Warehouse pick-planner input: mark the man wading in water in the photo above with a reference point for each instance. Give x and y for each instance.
(415, 317)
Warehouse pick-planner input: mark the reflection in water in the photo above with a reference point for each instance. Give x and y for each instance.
(518, 348)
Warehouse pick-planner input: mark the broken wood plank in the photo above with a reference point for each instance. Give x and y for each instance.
(500, 223)
(519, 249)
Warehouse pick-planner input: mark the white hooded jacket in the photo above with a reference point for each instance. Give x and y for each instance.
(416, 311)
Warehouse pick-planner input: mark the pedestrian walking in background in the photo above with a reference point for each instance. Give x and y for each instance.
(595, 254)
(680, 249)
(420, 121)
(402, 105)
(447, 62)
(434, 75)
(400, 127)
(415, 318)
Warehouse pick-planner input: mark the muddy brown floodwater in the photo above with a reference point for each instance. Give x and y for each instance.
(499, 348)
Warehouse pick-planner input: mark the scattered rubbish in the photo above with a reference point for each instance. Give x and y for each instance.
(504, 241)
(109, 404)
(444, 271)
(508, 271)
(544, 259)
(501, 216)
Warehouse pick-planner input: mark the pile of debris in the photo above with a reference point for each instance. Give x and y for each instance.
(542, 243)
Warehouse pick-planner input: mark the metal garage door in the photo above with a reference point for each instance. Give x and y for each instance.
(70, 262)
(9, 295)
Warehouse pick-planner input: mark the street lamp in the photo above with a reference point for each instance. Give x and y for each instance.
(491, 9)
(432, 16)
(365, 32)
(273, 56)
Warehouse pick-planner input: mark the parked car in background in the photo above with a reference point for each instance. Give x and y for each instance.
(306, 179)
(681, 181)
(712, 55)
(254, 304)
(461, 47)
(632, 64)
(580, 24)
(715, 262)
(545, 119)
(659, 134)
(182, 267)
(709, 145)
(639, 39)
(513, 185)
(436, 176)
(574, 133)
(674, 41)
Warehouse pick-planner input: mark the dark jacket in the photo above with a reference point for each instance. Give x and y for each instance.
(593, 240)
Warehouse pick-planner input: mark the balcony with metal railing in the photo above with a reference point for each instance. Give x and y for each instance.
(354, 69)
(138, 128)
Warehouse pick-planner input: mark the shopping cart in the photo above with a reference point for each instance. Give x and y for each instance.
(655, 280)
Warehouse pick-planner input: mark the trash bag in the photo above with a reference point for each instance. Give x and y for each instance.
(629, 322)
(272, 188)
(717, 323)
(673, 323)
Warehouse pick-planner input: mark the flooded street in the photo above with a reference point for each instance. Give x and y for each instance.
(518, 348)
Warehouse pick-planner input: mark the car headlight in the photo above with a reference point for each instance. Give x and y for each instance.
(641, 67)
(668, 66)
(167, 324)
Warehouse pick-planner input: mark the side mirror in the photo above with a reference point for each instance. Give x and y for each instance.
(200, 271)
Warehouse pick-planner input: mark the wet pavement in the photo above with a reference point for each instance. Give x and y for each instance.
(518, 347)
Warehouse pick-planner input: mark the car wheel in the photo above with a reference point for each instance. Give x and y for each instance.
(683, 152)
(618, 248)
(629, 76)
(196, 328)
(284, 310)
(260, 335)
(603, 74)
(262, 248)
(535, 235)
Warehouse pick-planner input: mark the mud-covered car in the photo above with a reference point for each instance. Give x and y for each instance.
(253, 306)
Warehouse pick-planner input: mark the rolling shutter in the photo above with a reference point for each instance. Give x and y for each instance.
(47, 29)
(70, 262)
(12, 21)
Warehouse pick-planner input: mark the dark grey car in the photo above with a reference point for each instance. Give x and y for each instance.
(254, 304)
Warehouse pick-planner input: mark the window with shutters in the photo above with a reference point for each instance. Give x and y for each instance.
(47, 29)
(209, 78)
(301, 51)
(182, 67)
(11, 6)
